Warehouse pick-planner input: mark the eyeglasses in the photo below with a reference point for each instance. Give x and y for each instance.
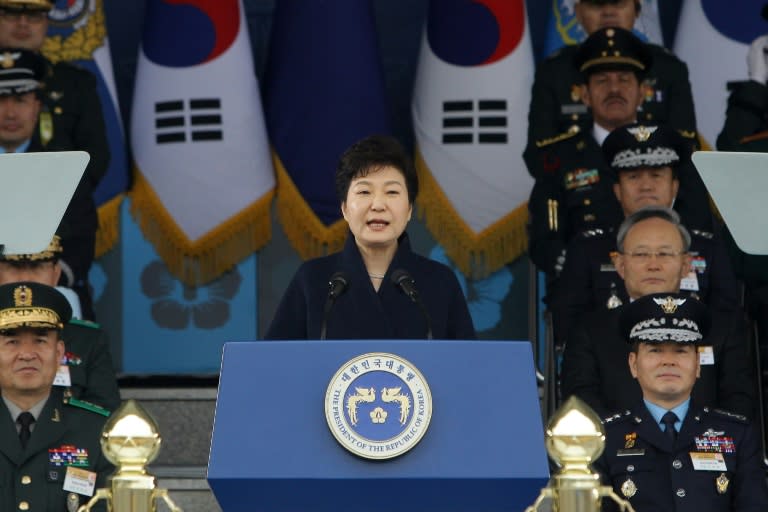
(31, 15)
(645, 256)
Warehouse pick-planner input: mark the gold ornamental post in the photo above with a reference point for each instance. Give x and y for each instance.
(130, 440)
(575, 439)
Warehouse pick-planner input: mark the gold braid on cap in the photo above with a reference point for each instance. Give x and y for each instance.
(612, 60)
(45, 318)
(23, 314)
(53, 250)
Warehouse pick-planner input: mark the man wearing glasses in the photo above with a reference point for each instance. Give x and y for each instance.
(70, 119)
(650, 164)
(654, 257)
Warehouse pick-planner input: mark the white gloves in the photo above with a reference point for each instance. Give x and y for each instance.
(757, 60)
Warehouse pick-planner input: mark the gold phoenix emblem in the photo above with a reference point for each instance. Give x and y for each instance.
(394, 395)
(669, 304)
(361, 395)
(22, 296)
(642, 133)
(630, 440)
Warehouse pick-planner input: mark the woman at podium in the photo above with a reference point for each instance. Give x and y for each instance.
(376, 286)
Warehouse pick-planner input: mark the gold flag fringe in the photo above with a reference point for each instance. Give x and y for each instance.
(109, 225)
(197, 263)
(477, 255)
(308, 235)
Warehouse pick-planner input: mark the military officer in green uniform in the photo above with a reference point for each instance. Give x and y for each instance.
(70, 119)
(50, 454)
(86, 370)
(556, 100)
(668, 453)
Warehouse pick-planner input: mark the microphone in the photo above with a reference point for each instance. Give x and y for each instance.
(337, 285)
(405, 282)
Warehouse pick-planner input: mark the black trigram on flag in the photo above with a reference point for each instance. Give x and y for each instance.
(197, 120)
(469, 122)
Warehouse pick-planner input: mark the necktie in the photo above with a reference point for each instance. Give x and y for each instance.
(25, 420)
(669, 420)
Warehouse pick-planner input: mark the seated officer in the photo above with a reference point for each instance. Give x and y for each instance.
(654, 257)
(49, 445)
(573, 192)
(666, 452)
(71, 119)
(649, 163)
(86, 370)
(556, 103)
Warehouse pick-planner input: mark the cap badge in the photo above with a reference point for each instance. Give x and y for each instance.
(642, 133)
(22, 296)
(669, 304)
(8, 59)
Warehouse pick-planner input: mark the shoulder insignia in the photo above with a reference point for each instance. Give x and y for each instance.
(752, 138)
(688, 134)
(728, 414)
(593, 233)
(615, 418)
(85, 323)
(573, 130)
(88, 406)
(703, 234)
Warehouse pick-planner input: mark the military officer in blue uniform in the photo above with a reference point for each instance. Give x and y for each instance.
(556, 101)
(666, 453)
(86, 371)
(573, 192)
(650, 164)
(50, 454)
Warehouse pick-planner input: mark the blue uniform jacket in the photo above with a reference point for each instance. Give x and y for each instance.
(363, 313)
(644, 467)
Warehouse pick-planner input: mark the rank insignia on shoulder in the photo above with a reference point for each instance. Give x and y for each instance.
(732, 415)
(88, 406)
(703, 234)
(572, 131)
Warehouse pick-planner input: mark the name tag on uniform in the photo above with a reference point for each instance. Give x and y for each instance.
(708, 461)
(706, 355)
(62, 376)
(690, 282)
(607, 267)
(81, 481)
(631, 452)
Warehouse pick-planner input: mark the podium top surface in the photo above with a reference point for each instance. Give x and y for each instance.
(36, 192)
(738, 183)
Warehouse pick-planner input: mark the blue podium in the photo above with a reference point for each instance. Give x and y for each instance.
(272, 449)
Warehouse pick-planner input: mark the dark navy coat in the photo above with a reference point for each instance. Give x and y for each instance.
(595, 366)
(589, 278)
(363, 313)
(640, 460)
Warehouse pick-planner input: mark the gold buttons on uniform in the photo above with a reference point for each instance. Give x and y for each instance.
(23, 505)
(587, 202)
(57, 110)
(26, 480)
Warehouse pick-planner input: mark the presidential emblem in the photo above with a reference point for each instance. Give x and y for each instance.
(378, 405)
